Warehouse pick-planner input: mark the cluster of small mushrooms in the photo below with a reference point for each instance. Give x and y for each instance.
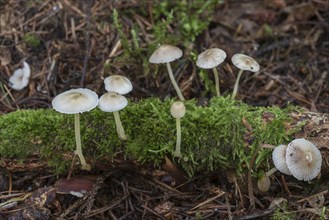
(209, 59)
(301, 159)
(76, 101)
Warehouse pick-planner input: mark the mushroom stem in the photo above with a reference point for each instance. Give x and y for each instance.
(179, 138)
(235, 90)
(268, 146)
(271, 171)
(173, 81)
(78, 151)
(216, 80)
(118, 124)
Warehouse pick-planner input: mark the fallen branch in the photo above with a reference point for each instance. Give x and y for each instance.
(214, 137)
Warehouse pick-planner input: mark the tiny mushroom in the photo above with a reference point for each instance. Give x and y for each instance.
(20, 77)
(178, 110)
(76, 101)
(279, 159)
(113, 102)
(304, 159)
(264, 183)
(243, 62)
(166, 54)
(210, 59)
(118, 84)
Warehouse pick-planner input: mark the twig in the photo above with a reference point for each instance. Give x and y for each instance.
(87, 42)
(312, 196)
(153, 212)
(104, 209)
(71, 167)
(207, 201)
(257, 215)
(10, 183)
(285, 186)
(250, 188)
(10, 95)
(320, 86)
(162, 185)
(75, 9)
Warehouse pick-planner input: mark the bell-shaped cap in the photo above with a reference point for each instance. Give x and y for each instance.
(304, 159)
(112, 102)
(279, 159)
(20, 78)
(165, 54)
(245, 62)
(75, 101)
(178, 109)
(210, 58)
(264, 183)
(118, 84)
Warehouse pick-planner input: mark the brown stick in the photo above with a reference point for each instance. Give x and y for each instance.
(87, 41)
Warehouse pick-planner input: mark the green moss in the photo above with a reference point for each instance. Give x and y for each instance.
(282, 214)
(213, 137)
(31, 40)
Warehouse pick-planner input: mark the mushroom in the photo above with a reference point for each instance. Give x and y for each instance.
(118, 84)
(279, 159)
(264, 183)
(178, 110)
(210, 59)
(20, 77)
(243, 62)
(113, 102)
(76, 101)
(304, 159)
(166, 54)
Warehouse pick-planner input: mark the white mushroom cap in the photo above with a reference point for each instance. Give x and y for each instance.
(210, 58)
(20, 77)
(279, 159)
(304, 159)
(75, 101)
(178, 109)
(245, 62)
(112, 102)
(165, 54)
(118, 84)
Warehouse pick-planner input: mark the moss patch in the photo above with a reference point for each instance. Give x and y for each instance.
(31, 40)
(213, 137)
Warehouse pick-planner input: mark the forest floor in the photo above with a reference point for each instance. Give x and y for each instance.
(72, 44)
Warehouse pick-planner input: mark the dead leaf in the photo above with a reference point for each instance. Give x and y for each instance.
(172, 169)
(77, 186)
(5, 56)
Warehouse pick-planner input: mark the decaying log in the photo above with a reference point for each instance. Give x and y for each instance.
(225, 134)
(316, 130)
